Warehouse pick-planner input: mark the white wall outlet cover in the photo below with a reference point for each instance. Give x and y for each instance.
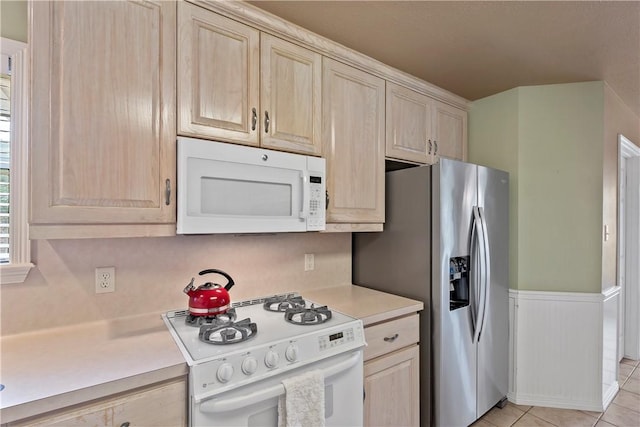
(105, 280)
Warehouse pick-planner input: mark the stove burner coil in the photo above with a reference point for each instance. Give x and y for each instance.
(216, 320)
(308, 316)
(283, 303)
(229, 333)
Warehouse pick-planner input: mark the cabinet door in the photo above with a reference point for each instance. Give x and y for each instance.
(160, 405)
(102, 108)
(218, 76)
(290, 96)
(392, 390)
(409, 124)
(353, 143)
(450, 131)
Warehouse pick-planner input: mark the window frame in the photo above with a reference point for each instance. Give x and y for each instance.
(20, 264)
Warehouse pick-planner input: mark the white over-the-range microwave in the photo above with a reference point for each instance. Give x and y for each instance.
(228, 188)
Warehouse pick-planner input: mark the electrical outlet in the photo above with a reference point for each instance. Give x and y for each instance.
(105, 280)
(309, 262)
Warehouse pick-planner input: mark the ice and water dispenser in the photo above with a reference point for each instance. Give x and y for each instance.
(458, 282)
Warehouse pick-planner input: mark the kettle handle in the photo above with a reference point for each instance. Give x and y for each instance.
(230, 281)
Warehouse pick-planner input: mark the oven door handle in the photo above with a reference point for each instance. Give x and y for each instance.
(233, 403)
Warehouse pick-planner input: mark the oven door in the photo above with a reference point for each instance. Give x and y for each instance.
(227, 188)
(256, 404)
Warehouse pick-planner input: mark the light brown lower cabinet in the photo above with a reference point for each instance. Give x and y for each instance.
(391, 373)
(164, 404)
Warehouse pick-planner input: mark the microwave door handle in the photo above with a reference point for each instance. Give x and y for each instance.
(276, 390)
(304, 177)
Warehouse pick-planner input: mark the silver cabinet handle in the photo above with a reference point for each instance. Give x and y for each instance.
(435, 144)
(254, 118)
(392, 338)
(326, 200)
(167, 192)
(430, 145)
(266, 122)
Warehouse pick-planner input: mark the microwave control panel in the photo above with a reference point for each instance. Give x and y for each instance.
(317, 194)
(316, 220)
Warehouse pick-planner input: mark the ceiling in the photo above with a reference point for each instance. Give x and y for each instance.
(478, 48)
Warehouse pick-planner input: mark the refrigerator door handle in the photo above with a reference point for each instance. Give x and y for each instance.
(473, 274)
(478, 257)
(486, 270)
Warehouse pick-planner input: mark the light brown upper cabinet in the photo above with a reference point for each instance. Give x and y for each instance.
(353, 143)
(103, 119)
(450, 132)
(409, 124)
(238, 85)
(421, 129)
(218, 76)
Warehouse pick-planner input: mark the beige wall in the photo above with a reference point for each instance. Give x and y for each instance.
(563, 177)
(152, 272)
(618, 119)
(13, 19)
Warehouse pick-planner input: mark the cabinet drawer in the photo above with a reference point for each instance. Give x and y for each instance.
(390, 336)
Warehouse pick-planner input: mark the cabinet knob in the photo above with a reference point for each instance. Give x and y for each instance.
(435, 145)
(125, 424)
(429, 145)
(392, 338)
(326, 200)
(266, 122)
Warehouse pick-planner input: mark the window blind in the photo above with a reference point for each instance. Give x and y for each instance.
(5, 157)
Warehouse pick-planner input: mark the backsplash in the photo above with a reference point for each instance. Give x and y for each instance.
(151, 273)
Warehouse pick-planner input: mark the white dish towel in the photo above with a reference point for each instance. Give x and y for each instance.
(302, 404)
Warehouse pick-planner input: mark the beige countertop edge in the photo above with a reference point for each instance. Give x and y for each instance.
(85, 395)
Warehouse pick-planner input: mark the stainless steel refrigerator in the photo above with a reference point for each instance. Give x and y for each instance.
(445, 242)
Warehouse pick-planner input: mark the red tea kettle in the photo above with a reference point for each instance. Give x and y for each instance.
(210, 298)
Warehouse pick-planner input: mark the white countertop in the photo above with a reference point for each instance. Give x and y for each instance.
(366, 304)
(51, 369)
(54, 368)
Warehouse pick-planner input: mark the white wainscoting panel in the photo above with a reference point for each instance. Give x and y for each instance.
(610, 307)
(563, 349)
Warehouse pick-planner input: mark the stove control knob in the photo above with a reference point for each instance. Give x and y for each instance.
(249, 365)
(225, 372)
(271, 359)
(291, 353)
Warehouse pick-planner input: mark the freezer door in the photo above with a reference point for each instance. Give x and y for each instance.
(454, 353)
(493, 352)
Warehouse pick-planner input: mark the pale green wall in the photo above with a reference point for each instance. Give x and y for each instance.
(560, 204)
(550, 139)
(496, 146)
(13, 20)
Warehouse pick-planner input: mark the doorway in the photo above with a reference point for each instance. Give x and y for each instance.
(628, 248)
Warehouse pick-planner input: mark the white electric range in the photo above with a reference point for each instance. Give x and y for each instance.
(238, 360)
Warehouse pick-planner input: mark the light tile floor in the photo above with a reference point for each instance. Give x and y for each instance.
(624, 411)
